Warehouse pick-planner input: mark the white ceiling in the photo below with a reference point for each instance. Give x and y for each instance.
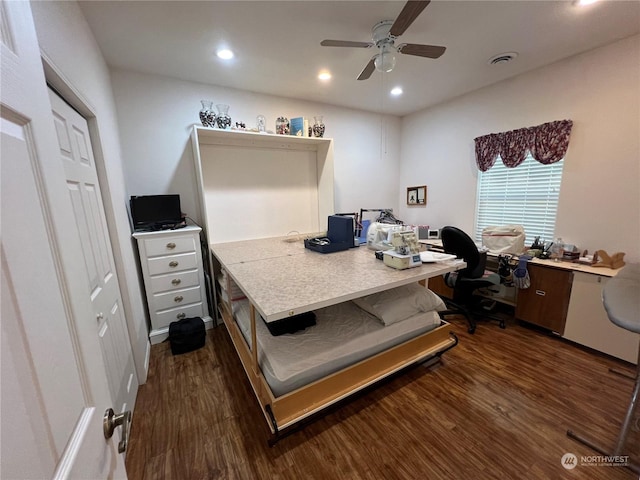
(278, 52)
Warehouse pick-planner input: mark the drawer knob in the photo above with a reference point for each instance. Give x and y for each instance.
(542, 293)
(180, 316)
(173, 264)
(176, 281)
(178, 298)
(171, 245)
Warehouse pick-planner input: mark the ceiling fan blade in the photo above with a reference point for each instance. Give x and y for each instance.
(345, 43)
(368, 70)
(429, 51)
(408, 14)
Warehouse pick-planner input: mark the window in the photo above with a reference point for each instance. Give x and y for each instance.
(526, 195)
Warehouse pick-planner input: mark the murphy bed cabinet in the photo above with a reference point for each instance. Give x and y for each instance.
(171, 262)
(546, 301)
(270, 185)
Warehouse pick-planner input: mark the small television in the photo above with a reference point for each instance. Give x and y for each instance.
(155, 212)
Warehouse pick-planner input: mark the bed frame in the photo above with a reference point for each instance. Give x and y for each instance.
(279, 277)
(260, 267)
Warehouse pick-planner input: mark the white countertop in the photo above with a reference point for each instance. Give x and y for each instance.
(282, 278)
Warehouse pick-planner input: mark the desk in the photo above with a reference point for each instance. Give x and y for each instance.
(566, 298)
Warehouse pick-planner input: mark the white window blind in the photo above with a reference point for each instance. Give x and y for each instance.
(526, 195)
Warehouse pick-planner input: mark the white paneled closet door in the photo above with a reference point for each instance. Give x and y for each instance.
(54, 390)
(77, 160)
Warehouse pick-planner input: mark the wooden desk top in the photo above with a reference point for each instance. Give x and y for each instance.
(282, 278)
(563, 265)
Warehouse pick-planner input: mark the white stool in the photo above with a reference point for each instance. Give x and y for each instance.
(621, 299)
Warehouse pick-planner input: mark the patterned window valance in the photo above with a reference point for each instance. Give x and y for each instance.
(547, 143)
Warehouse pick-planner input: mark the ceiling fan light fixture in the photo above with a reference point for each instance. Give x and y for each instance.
(386, 60)
(384, 35)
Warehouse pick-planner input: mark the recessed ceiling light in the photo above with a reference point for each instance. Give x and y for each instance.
(502, 58)
(396, 91)
(324, 75)
(584, 3)
(225, 54)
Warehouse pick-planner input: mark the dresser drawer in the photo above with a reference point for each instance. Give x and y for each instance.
(162, 301)
(163, 319)
(170, 245)
(174, 281)
(172, 263)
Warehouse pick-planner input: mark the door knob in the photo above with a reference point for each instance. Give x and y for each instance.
(111, 421)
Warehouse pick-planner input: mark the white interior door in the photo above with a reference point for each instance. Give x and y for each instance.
(54, 389)
(77, 160)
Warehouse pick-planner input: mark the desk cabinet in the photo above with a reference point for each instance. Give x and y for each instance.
(589, 325)
(171, 262)
(546, 301)
(437, 285)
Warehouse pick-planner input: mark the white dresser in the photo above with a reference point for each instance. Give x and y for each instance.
(171, 262)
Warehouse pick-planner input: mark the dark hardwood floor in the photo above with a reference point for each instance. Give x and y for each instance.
(496, 407)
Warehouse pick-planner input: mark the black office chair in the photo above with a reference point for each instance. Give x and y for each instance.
(464, 282)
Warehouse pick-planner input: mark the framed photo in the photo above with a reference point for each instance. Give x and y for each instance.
(417, 195)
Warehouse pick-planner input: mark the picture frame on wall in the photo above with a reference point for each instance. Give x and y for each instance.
(417, 195)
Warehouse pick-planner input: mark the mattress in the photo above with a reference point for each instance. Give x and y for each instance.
(343, 335)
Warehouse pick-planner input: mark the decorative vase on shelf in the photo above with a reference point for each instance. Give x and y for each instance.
(223, 119)
(207, 115)
(283, 127)
(261, 123)
(318, 126)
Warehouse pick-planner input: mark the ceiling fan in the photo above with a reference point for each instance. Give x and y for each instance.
(385, 34)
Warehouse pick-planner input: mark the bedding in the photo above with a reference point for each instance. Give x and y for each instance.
(343, 335)
(400, 303)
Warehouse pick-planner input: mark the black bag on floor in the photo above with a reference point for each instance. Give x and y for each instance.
(186, 335)
(291, 324)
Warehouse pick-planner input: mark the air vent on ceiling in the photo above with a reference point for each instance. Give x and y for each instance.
(502, 58)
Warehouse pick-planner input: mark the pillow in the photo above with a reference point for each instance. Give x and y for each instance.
(400, 303)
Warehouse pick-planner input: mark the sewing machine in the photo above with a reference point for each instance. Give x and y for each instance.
(405, 252)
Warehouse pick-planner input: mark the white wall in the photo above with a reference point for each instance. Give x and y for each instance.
(70, 47)
(156, 114)
(150, 117)
(600, 194)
